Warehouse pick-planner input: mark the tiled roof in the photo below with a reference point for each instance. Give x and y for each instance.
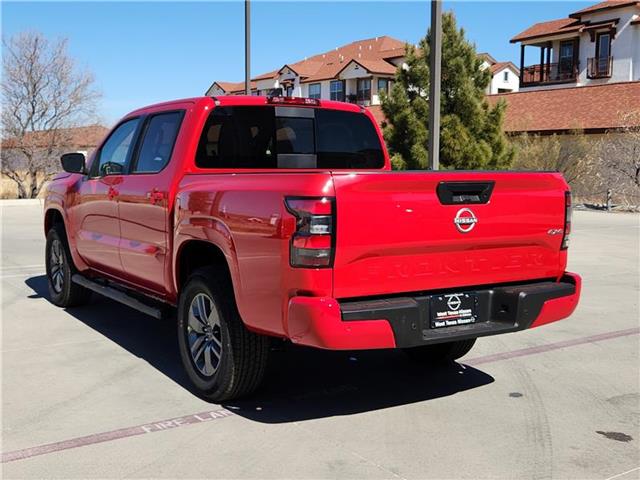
(232, 87)
(266, 76)
(377, 66)
(607, 5)
(496, 67)
(552, 27)
(487, 57)
(376, 111)
(78, 137)
(595, 107)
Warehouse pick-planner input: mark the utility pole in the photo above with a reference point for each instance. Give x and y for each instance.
(247, 47)
(434, 84)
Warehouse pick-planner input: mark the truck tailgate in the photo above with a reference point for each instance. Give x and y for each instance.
(394, 234)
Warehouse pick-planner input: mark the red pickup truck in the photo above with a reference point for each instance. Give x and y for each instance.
(260, 217)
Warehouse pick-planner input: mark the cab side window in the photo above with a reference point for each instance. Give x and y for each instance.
(238, 137)
(115, 153)
(157, 145)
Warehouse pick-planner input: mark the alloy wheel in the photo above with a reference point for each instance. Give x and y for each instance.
(56, 266)
(204, 334)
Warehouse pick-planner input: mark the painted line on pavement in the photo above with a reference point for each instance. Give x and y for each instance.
(20, 267)
(22, 275)
(116, 434)
(207, 416)
(551, 346)
(624, 473)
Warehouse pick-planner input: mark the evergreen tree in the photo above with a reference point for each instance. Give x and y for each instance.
(471, 135)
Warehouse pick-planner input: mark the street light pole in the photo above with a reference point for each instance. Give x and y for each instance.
(434, 84)
(247, 47)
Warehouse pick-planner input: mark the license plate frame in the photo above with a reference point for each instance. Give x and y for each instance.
(453, 309)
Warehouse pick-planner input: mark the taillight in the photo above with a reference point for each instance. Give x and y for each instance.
(312, 243)
(567, 220)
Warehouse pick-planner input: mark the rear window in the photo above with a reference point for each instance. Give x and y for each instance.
(288, 137)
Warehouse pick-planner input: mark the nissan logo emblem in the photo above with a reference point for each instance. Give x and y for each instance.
(453, 301)
(465, 220)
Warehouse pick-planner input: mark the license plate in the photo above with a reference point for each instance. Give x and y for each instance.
(453, 309)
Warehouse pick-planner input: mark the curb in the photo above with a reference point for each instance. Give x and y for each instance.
(22, 203)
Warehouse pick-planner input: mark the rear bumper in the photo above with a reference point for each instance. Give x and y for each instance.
(400, 322)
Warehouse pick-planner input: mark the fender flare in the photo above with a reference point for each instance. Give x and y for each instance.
(71, 240)
(212, 231)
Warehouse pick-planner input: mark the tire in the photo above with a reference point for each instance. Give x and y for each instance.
(60, 268)
(440, 353)
(229, 361)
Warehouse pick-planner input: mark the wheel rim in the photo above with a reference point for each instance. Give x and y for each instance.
(204, 334)
(56, 266)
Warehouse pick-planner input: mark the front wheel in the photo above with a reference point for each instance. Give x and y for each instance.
(222, 358)
(440, 353)
(62, 291)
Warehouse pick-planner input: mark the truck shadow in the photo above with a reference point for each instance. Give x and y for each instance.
(301, 383)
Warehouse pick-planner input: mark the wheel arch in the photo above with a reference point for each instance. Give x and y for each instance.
(196, 253)
(51, 217)
(55, 215)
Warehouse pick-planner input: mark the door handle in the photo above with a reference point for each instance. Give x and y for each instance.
(113, 193)
(155, 196)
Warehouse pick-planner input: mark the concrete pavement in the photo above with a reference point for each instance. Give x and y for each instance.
(98, 391)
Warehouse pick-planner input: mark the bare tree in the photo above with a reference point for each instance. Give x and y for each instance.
(573, 155)
(617, 169)
(622, 155)
(43, 95)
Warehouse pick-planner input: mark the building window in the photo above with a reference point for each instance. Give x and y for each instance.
(603, 51)
(289, 90)
(364, 89)
(336, 88)
(315, 90)
(384, 84)
(506, 76)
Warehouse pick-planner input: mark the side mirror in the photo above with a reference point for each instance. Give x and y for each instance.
(73, 162)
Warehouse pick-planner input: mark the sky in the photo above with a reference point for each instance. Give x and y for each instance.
(147, 52)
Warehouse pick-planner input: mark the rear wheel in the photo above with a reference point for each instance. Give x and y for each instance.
(223, 359)
(62, 291)
(440, 353)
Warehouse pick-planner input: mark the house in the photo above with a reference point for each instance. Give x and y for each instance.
(75, 139)
(504, 75)
(593, 46)
(356, 73)
(43, 148)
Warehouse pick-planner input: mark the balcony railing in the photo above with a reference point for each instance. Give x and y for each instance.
(599, 67)
(358, 100)
(549, 73)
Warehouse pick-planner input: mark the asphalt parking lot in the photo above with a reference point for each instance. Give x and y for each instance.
(98, 391)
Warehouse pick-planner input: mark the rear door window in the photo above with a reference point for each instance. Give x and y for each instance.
(261, 137)
(160, 135)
